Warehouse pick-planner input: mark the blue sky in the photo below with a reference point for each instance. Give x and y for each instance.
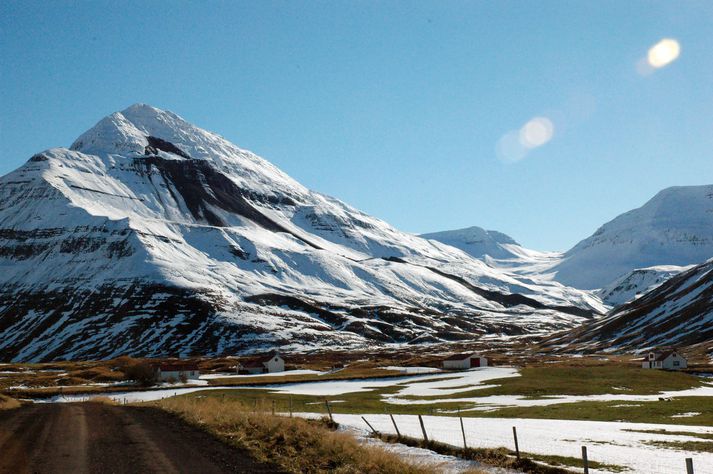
(394, 107)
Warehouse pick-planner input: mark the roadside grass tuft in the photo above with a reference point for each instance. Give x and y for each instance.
(294, 444)
(7, 403)
(104, 400)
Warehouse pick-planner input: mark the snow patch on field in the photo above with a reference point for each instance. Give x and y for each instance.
(233, 375)
(412, 370)
(606, 442)
(498, 401)
(443, 383)
(425, 457)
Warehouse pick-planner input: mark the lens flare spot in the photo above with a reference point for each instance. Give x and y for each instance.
(509, 148)
(664, 53)
(536, 132)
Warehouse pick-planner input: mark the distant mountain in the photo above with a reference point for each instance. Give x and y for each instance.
(677, 313)
(477, 242)
(674, 228)
(153, 237)
(637, 283)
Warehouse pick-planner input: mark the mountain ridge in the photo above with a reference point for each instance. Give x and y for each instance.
(678, 312)
(672, 228)
(151, 236)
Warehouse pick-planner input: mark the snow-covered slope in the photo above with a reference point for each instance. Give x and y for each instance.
(677, 313)
(674, 228)
(151, 236)
(636, 283)
(477, 242)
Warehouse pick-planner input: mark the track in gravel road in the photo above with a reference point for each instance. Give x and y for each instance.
(82, 438)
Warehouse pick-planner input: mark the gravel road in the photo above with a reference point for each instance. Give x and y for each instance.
(98, 438)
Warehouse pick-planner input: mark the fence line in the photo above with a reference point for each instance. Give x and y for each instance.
(585, 457)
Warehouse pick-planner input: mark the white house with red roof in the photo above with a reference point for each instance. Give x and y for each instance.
(268, 364)
(176, 371)
(669, 360)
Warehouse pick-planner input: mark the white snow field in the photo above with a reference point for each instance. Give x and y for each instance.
(425, 457)
(607, 442)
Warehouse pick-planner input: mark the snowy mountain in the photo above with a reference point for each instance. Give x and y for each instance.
(477, 242)
(151, 236)
(636, 283)
(677, 313)
(674, 228)
(501, 251)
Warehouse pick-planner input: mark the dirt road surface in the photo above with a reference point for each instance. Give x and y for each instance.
(82, 438)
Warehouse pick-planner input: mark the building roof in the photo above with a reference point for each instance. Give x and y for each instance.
(177, 366)
(461, 356)
(664, 355)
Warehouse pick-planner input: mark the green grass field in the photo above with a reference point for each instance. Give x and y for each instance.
(535, 382)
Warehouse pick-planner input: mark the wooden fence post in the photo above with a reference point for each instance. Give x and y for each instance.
(423, 429)
(689, 465)
(585, 460)
(517, 446)
(398, 433)
(273, 408)
(462, 430)
(290, 407)
(329, 410)
(376, 433)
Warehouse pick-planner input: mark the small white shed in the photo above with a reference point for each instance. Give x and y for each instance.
(464, 361)
(175, 371)
(264, 365)
(668, 360)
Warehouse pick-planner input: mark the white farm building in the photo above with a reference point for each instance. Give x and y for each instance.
(464, 361)
(176, 371)
(264, 365)
(669, 360)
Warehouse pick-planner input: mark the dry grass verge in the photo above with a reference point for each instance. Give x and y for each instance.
(104, 400)
(294, 444)
(7, 403)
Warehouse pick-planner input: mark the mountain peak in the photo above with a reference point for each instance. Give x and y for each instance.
(127, 132)
(672, 228)
(476, 241)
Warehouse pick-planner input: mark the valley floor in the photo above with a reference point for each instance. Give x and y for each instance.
(631, 419)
